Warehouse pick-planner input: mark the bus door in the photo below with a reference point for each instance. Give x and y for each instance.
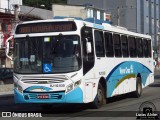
(88, 61)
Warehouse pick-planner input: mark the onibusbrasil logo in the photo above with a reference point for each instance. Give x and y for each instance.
(147, 110)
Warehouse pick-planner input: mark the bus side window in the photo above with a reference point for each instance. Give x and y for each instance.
(132, 46)
(88, 58)
(109, 44)
(124, 41)
(149, 48)
(117, 45)
(99, 43)
(139, 46)
(145, 48)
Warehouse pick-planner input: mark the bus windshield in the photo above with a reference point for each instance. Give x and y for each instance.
(54, 54)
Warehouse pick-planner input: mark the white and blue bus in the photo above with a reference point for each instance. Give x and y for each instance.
(77, 61)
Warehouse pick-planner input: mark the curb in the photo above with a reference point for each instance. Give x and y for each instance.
(6, 94)
(6, 90)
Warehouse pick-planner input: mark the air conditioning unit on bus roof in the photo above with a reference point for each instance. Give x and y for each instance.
(107, 24)
(120, 27)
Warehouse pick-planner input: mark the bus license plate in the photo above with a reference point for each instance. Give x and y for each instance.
(42, 96)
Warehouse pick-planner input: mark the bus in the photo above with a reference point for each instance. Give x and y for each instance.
(79, 61)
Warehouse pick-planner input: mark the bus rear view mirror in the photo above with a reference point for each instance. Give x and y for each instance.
(8, 47)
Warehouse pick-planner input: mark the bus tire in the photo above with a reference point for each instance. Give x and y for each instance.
(99, 99)
(138, 91)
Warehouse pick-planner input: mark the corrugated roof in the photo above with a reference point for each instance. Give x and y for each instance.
(36, 12)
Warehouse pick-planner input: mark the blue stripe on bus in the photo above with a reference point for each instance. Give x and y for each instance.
(98, 26)
(123, 69)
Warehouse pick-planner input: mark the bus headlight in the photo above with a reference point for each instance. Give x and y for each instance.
(77, 83)
(69, 88)
(18, 87)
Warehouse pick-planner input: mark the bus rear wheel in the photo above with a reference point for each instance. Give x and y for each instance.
(138, 91)
(100, 98)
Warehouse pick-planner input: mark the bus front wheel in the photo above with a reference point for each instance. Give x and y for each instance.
(100, 98)
(138, 91)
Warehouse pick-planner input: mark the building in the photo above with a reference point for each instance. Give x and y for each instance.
(7, 21)
(80, 11)
(136, 15)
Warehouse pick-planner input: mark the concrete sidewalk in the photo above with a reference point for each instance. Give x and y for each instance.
(6, 90)
(8, 93)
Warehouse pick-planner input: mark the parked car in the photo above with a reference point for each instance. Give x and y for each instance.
(6, 75)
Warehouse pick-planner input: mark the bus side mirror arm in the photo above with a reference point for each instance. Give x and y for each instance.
(7, 47)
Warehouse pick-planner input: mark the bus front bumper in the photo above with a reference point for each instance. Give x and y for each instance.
(74, 96)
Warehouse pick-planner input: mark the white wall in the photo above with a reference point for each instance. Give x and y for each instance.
(69, 11)
(13, 2)
(4, 4)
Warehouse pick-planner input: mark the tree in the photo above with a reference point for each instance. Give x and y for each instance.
(47, 3)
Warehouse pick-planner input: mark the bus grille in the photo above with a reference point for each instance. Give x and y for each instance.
(33, 96)
(44, 79)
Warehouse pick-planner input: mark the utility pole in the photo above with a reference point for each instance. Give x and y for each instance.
(118, 16)
(16, 7)
(8, 5)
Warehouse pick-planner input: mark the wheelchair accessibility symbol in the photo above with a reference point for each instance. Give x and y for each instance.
(47, 68)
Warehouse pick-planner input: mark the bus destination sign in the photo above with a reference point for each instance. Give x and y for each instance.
(46, 27)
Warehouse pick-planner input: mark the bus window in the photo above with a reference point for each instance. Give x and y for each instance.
(117, 45)
(149, 48)
(145, 48)
(124, 46)
(132, 47)
(139, 46)
(109, 44)
(99, 43)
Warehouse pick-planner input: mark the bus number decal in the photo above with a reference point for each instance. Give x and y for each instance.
(57, 85)
(102, 73)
